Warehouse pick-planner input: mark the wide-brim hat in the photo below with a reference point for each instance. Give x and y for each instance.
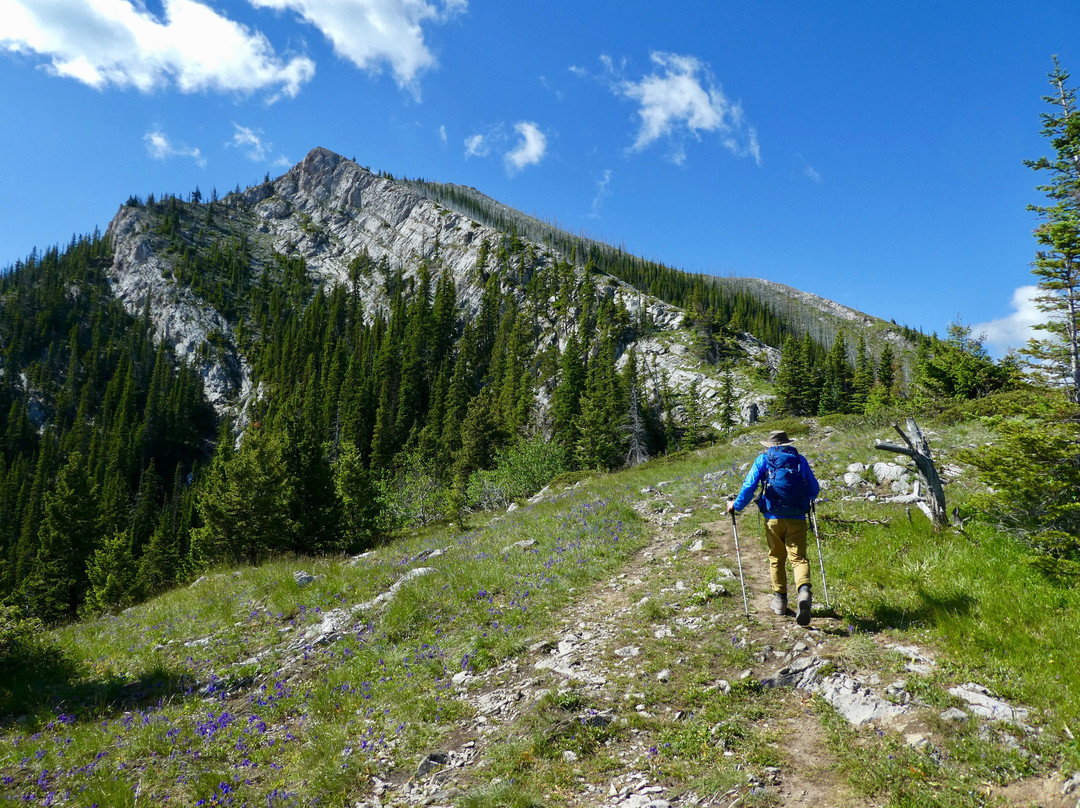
(777, 438)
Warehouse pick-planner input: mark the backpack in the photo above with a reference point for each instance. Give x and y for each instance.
(785, 493)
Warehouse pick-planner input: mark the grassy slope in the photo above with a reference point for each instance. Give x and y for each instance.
(197, 695)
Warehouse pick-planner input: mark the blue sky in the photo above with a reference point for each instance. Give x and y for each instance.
(870, 153)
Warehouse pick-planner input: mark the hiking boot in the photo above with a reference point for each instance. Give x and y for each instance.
(805, 602)
(779, 602)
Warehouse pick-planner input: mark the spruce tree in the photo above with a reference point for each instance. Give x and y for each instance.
(693, 428)
(728, 403)
(360, 505)
(68, 536)
(111, 573)
(1057, 262)
(863, 379)
(313, 504)
(566, 400)
(599, 423)
(481, 435)
(790, 378)
(837, 387)
(886, 373)
(636, 425)
(245, 503)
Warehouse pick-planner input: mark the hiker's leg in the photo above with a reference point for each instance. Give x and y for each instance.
(774, 533)
(795, 536)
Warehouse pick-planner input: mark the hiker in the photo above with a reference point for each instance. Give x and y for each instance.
(789, 486)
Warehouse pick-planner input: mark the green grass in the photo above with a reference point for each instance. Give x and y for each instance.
(193, 676)
(171, 700)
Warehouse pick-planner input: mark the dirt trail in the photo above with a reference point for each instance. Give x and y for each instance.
(605, 652)
(808, 774)
(596, 651)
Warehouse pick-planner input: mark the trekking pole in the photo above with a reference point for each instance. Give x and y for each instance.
(738, 558)
(821, 560)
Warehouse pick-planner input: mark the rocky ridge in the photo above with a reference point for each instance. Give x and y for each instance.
(328, 210)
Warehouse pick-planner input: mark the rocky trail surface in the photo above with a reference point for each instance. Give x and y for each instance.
(639, 655)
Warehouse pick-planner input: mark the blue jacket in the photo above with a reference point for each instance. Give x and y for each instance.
(759, 471)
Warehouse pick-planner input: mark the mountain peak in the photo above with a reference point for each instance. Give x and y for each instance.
(320, 159)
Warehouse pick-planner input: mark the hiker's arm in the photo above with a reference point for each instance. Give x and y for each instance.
(811, 480)
(753, 477)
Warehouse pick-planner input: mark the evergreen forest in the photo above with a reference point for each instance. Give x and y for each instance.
(118, 479)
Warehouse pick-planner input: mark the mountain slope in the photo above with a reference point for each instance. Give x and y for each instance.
(801, 312)
(824, 319)
(590, 649)
(400, 362)
(328, 211)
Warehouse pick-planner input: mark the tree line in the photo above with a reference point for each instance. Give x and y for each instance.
(118, 480)
(102, 434)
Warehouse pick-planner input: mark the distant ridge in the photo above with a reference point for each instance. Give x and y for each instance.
(802, 312)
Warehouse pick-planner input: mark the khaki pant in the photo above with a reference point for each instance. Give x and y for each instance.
(787, 537)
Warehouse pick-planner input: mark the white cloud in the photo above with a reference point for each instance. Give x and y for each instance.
(1013, 330)
(476, 146)
(682, 98)
(442, 133)
(809, 171)
(551, 88)
(119, 43)
(255, 148)
(247, 139)
(370, 33)
(602, 193)
(530, 149)
(160, 147)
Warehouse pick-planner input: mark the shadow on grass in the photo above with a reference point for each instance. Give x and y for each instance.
(884, 615)
(42, 683)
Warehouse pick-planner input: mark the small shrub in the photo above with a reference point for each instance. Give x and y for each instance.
(1033, 474)
(520, 471)
(1009, 404)
(17, 634)
(569, 478)
(28, 659)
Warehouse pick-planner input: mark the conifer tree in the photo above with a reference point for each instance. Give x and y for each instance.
(1057, 262)
(599, 423)
(790, 378)
(111, 572)
(883, 393)
(360, 507)
(837, 380)
(147, 510)
(566, 400)
(457, 402)
(812, 379)
(481, 435)
(314, 507)
(863, 379)
(384, 440)
(694, 427)
(245, 503)
(69, 534)
(32, 509)
(636, 425)
(728, 412)
(413, 394)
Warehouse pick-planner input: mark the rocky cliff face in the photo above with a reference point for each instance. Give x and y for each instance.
(141, 280)
(328, 210)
